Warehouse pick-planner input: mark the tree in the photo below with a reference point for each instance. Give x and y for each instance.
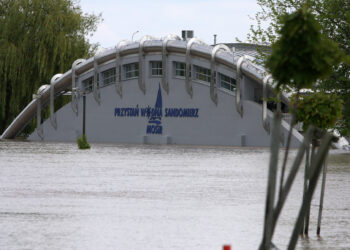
(38, 38)
(300, 56)
(334, 18)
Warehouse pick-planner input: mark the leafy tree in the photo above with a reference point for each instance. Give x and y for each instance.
(38, 38)
(334, 18)
(301, 55)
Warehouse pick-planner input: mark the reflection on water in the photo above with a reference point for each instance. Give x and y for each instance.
(54, 196)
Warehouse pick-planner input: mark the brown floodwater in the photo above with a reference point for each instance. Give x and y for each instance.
(54, 196)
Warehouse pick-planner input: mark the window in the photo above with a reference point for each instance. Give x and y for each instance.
(156, 68)
(108, 76)
(180, 69)
(202, 74)
(227, 82)
(131, 70)
(87, 85)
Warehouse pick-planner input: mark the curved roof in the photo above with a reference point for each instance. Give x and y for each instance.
(242, 49)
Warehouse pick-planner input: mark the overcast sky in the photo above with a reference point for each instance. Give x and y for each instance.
(226, 18)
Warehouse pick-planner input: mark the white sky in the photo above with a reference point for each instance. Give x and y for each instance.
(226, 18)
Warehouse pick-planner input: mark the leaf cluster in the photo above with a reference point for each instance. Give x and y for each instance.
(318, 108)
(302, 55)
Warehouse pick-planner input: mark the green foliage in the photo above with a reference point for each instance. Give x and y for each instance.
(38, 39)
(271, 11)
(334, 18)
(82, 142)
(319, 109)
(344, 125)
(301, 55)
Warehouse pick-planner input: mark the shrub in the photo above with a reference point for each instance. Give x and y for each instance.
(82, 142)
(320, 109)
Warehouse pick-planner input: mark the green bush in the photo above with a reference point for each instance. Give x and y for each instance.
(82, 142)
(320, 109)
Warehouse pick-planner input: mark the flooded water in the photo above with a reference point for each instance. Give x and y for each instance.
(54, 196)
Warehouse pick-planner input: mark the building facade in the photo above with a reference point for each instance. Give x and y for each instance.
(155, 91)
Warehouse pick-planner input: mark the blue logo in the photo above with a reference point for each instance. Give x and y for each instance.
(155, 115)
(155, 121)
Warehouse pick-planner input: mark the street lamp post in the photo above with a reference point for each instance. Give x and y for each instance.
(132, 37)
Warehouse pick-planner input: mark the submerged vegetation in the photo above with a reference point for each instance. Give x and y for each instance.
(82, 142)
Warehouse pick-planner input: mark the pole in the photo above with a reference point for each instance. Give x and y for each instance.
(288, 142)
(271, 184)
(290, 178)
(322, 197)
(307, 217)
(84, 111)
(132, 37)
(314, 173)
(307, 167)
(315, 143)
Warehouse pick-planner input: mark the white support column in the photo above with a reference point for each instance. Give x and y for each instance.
(141, 63)
(37, 96)
(266, 124)
(165, 83)
(214, 80)
(118, 83)
(39, 127)
(52, 100)
(189, 88)
(240, 61)
(74, 85)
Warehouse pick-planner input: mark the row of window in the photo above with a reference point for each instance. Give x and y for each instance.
(131, 70)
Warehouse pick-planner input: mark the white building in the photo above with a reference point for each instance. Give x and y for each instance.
(168, 91)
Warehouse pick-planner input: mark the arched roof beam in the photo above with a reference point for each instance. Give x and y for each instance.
(37, 96)
(189, 88)
(141, 62)
(118, 84)
(168, 38)
(97, 80)
(239, 77)
(265, 123)
(52, 100)
(213, 79)
(74, 85)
